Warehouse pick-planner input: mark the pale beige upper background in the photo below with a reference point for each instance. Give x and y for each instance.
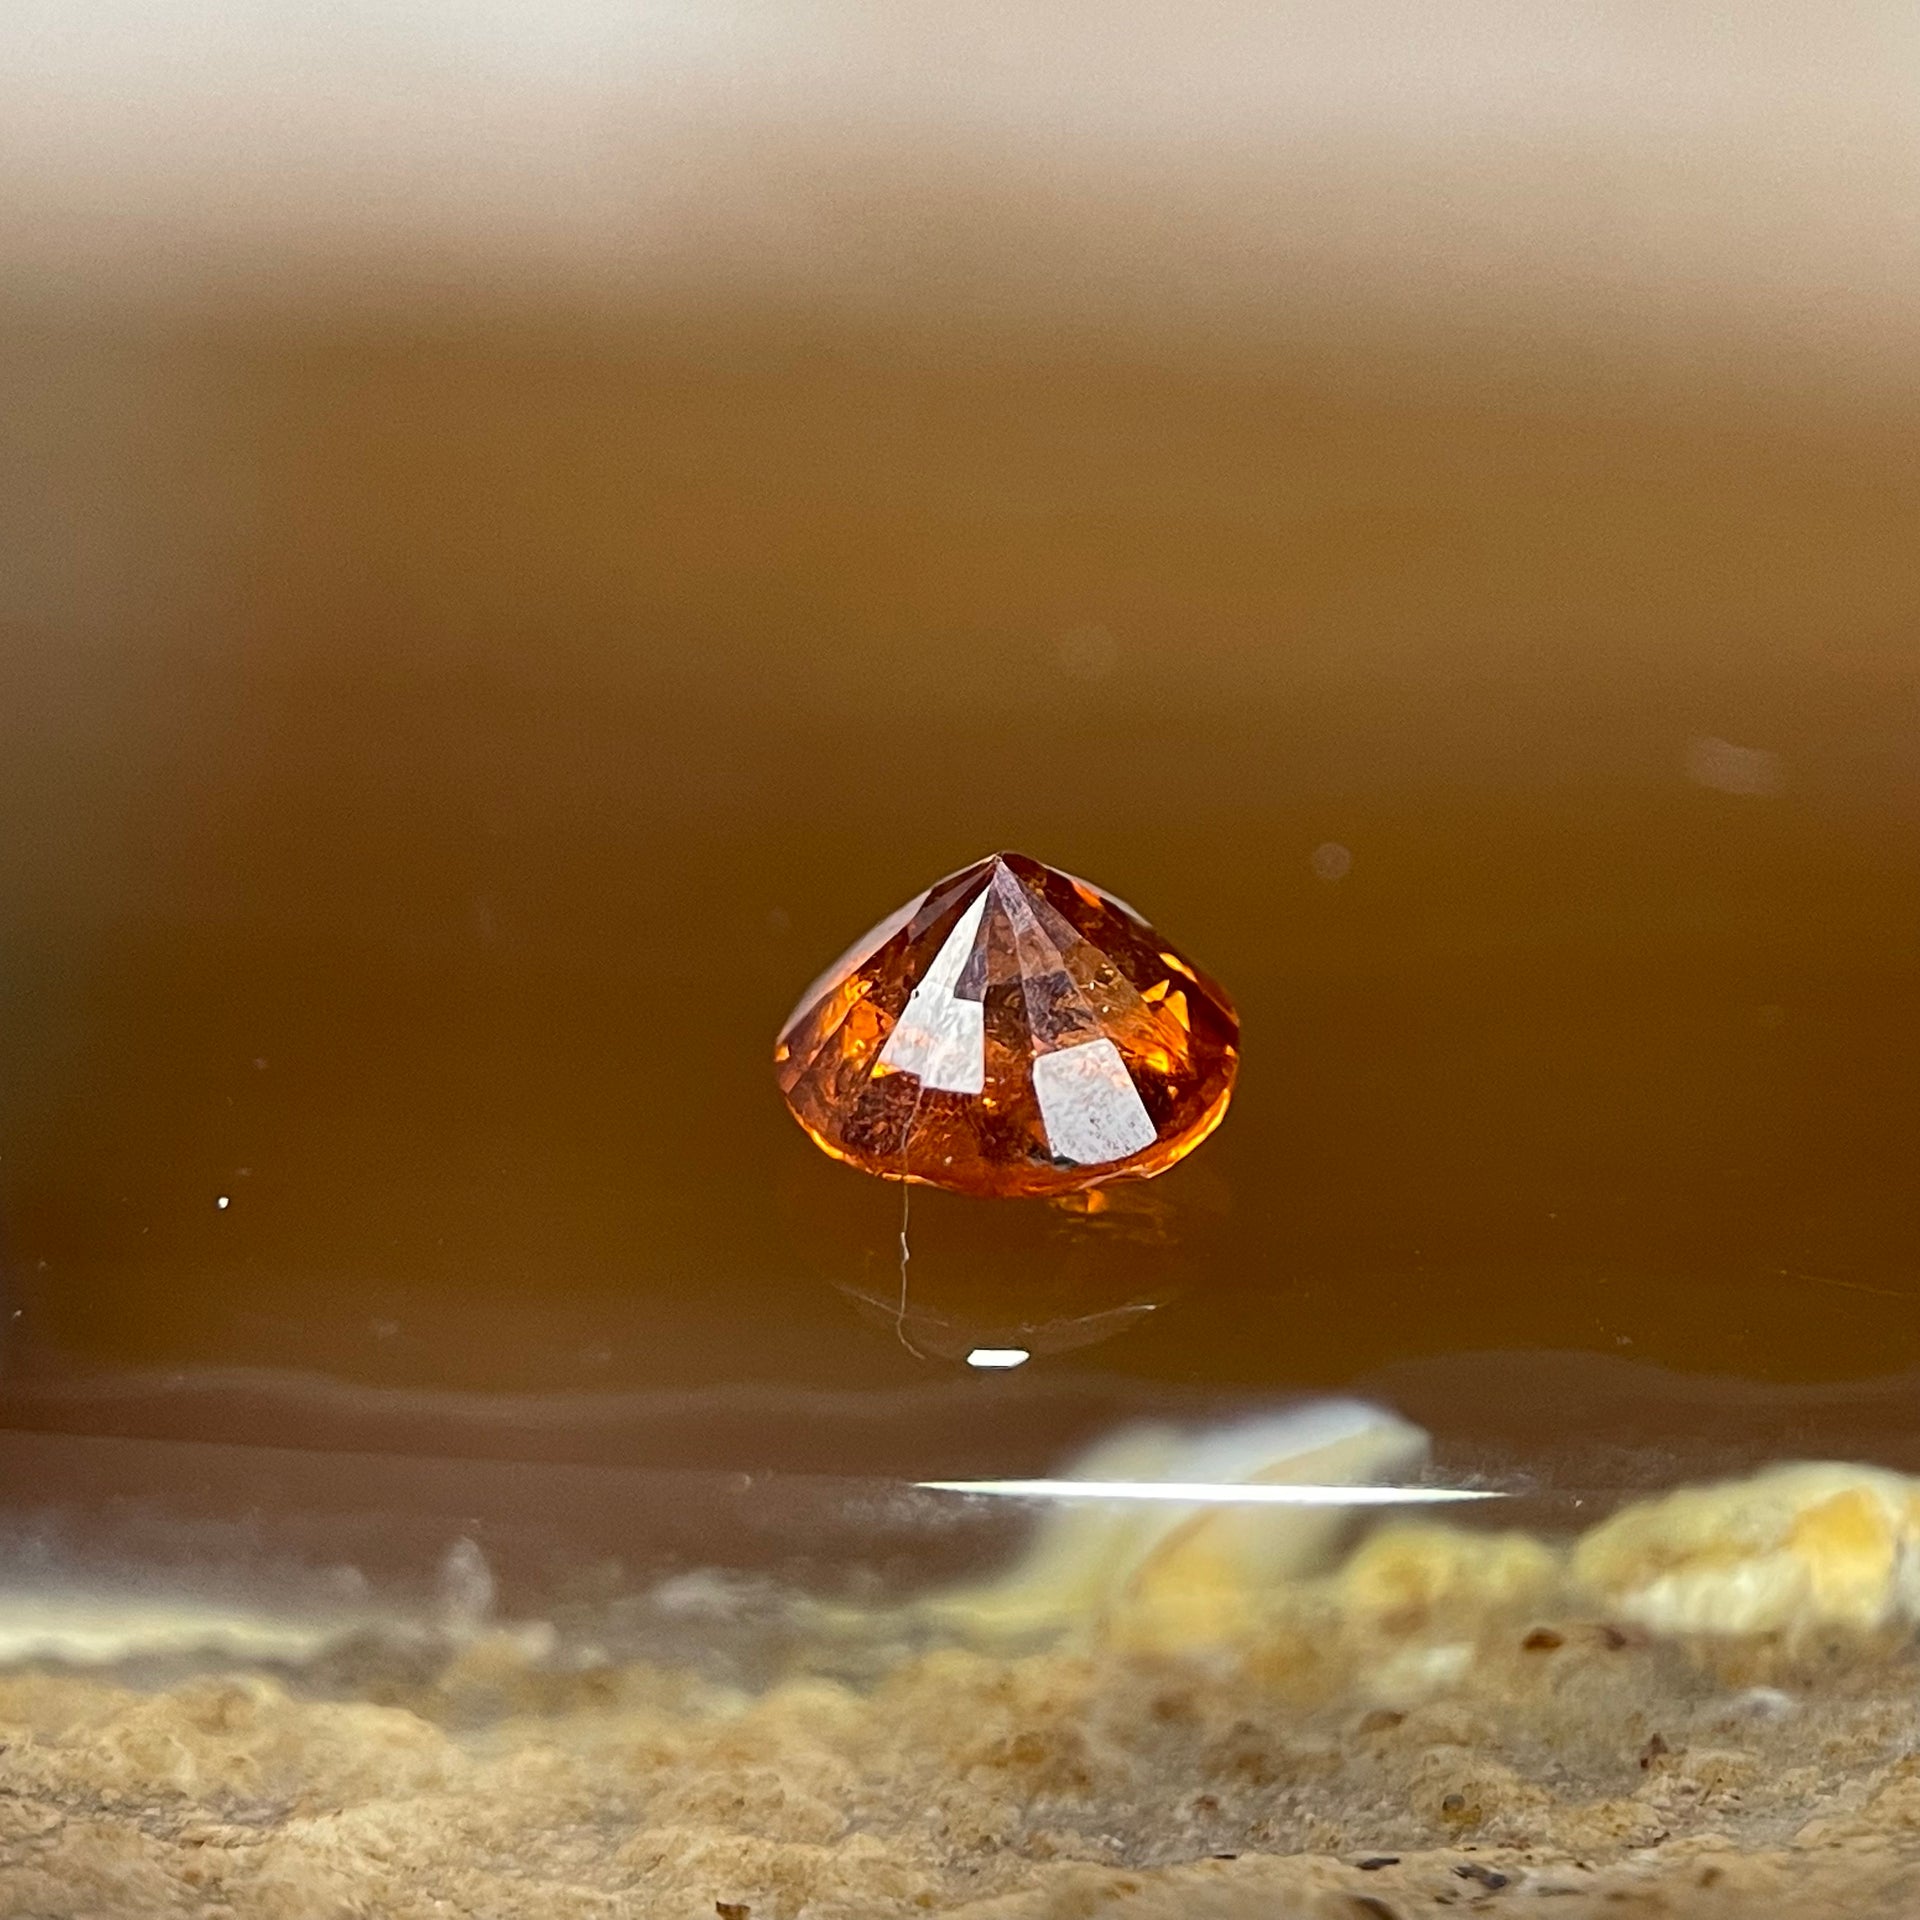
(1636, 171)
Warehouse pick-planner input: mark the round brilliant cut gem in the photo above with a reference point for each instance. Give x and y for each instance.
(1013, 1032)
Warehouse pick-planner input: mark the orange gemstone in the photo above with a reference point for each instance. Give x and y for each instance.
(1013, 1031)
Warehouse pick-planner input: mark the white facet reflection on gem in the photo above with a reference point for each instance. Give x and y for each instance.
(938, 1037)
(1092, 1110)
(1207, 1492)
(998, 1357)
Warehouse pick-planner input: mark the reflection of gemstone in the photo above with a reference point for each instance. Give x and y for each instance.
(1012, 1031)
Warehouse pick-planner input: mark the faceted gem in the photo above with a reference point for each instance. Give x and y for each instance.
(1014, 1031)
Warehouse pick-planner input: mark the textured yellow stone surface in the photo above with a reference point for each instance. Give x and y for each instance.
(1413, 1567)
(1795, 1547)
(1697, 1711)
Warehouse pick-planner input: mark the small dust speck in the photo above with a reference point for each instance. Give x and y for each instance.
(1331, 861)
(1088, 653)
(1726, 768)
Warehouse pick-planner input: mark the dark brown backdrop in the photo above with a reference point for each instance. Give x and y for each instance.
(437, 744)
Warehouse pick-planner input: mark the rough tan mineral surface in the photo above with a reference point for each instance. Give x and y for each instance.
(1703, 1707)
(1401, 1740)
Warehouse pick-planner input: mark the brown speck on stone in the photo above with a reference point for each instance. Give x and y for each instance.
(1375, 1861)
(1543, 1640)
(1652, 1751)
(1611, 1637)
(1487, 1877)
(1380, 1720)
(733, 1910)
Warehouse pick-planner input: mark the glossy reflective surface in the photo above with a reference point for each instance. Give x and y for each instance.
(434, 897)
(1014, 1032)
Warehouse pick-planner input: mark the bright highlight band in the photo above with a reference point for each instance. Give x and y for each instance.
(1213, 1493)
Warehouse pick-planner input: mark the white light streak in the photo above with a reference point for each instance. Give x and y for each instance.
(1213, 1493)
(1000, 1357)
(939, 1036)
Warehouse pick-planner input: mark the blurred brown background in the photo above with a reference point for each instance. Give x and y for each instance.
(514, 549)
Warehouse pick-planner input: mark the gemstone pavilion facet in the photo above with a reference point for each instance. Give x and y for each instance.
(1014, 1031)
